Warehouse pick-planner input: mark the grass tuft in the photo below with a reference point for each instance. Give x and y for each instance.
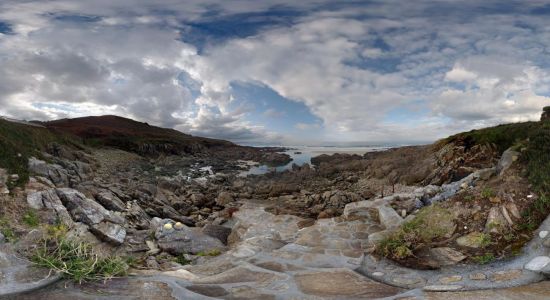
(31, 218)
(77, 261)
(432, 223)
(484, 259)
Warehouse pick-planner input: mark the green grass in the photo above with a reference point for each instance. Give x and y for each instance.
(7, 231)
(484, 240)
(77, 261)
(537, 159)
(432, 223)
(30, 218)
(502, 136)
(487, 193)
(484, 259)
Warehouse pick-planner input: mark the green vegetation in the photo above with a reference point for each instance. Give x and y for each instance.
(487, 193)
(484, 259)
(502, 136)
(213, 252)
(31, 218)
(484, 240)
(533, 140)
(7, 230)
(431, 224)
(18, 142)
(77, 261)
(468, 198)
(537, 159)
(182, 260)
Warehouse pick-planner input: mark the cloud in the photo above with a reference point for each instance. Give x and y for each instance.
(307, 126)
(351, 64)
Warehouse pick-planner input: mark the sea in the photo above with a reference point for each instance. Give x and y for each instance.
(302, 155)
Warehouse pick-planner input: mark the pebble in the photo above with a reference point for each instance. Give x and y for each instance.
(168, 226)
(543, 234)
(378, 274)
(178, 226)
(537, 263)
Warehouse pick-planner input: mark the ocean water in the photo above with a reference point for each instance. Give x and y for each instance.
(302, 155)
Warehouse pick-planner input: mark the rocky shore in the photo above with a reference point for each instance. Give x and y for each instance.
(460, 214)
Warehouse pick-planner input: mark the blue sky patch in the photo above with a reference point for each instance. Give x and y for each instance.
(273, 110)
(219, 28)
(5, 28)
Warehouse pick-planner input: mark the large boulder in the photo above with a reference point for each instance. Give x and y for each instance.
(180, 239)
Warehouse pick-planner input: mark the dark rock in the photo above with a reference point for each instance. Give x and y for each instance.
(217, 231)
(545, 114)
(110, 201)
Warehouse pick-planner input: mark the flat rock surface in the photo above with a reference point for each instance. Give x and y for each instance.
(536, 291)
(342, 283)
(17, 275)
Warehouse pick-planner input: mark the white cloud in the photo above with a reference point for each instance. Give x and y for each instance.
(350, 64)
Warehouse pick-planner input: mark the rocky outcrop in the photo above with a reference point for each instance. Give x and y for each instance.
(49, 199)
(105, 224)
(545, 114)
(63, 173)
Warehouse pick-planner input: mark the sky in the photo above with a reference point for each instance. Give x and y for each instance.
(280, 72)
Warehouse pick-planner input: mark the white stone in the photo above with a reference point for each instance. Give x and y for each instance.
(543, 234)
(378, 274)
(537, 263)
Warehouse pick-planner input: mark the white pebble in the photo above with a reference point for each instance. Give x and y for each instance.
(543, 234)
